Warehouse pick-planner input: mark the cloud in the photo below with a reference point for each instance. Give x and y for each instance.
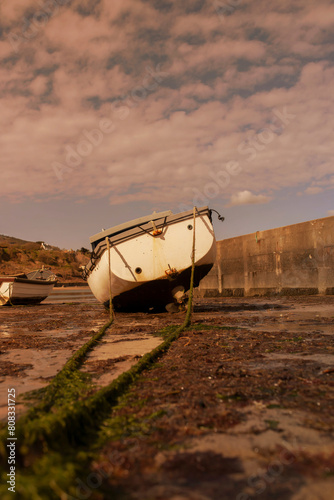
(248, 198)
(216, 97)
(330, 213)
(313, 190)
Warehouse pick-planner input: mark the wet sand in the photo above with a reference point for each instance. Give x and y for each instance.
(36, 341)
(241, 412)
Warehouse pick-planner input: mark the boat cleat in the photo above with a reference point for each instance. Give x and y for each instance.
(156, 231)
(171, 272)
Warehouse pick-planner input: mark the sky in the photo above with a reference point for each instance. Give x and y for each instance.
(110, 110)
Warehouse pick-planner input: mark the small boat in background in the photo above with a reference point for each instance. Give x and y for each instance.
(145, 264)
(29, 288)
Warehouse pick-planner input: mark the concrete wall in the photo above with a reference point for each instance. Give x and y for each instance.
(297, 259)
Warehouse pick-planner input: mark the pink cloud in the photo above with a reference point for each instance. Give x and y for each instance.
(248, 198)
(218, 96)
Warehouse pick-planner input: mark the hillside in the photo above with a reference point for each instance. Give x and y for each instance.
(18, 256)
(10, 240)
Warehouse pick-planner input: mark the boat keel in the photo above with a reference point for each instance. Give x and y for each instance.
(154, 295)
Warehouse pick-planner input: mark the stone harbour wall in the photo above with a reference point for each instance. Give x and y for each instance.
(290, 260)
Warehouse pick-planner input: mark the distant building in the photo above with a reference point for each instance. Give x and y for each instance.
(45, 246)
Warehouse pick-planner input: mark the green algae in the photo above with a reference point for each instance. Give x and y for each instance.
(44, 437)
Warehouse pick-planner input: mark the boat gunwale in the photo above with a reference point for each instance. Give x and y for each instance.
(27, 281)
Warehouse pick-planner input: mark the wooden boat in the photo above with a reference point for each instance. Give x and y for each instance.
(29, 288)
(145, 264)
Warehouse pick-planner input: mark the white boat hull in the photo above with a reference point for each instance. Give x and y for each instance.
(146, 270)
(14, 291)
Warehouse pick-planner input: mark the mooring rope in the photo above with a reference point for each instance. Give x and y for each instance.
(111, 311)
(187, 320)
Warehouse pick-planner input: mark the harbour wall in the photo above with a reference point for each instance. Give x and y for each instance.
(290, 260)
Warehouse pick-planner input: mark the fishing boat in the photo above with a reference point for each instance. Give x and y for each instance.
(145, 264)
(29, 288)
